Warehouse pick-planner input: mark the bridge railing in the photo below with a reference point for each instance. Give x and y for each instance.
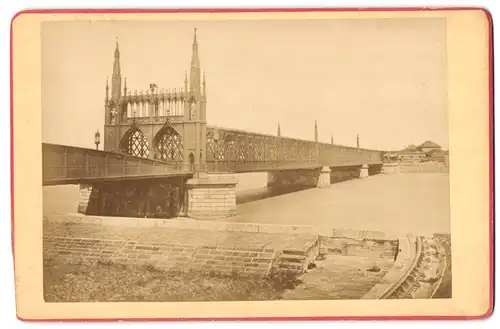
(62, 162)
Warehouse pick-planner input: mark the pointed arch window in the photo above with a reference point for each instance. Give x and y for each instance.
(168, 145)
(135, 143)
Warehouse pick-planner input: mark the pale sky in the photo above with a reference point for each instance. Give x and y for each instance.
(382, 78)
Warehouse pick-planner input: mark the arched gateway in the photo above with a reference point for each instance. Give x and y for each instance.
(168, 145)
(134, 142)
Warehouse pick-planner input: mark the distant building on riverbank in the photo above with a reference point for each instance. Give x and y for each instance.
(411, 154)
(427, 151)
(428, 146)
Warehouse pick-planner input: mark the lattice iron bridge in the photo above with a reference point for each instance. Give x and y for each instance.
(228, 150)
(238, 151)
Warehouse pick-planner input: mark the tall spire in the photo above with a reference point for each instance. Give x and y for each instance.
(116, 80)
(331, 140)
(195, 83)
(279, 129)
(315, 131)
(117, 50)
(195, 59)
(357, 141)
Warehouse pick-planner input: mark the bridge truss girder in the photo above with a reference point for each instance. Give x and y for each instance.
(239, 151)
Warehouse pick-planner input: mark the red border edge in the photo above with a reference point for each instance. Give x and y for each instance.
(488, 312)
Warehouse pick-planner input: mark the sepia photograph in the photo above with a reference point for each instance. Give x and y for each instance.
(243, 160)
(344, 127)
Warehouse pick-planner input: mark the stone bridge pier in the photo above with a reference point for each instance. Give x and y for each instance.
(299, 178)
(320, 177)
(211, 196)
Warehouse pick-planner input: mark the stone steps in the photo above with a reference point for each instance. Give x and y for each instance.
(291, 262)
(296, 260)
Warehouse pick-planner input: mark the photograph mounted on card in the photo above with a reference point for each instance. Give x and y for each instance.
(223, 164)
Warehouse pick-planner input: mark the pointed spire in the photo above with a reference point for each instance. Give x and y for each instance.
(357, 141)
(116, 80)
(117, 49)
(279, 129)
(315, 131)
(194, 74)
(331, 140)
(195, 60)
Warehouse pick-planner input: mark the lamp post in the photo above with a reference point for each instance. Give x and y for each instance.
(97, 139)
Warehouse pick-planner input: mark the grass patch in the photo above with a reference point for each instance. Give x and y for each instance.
(110, 282)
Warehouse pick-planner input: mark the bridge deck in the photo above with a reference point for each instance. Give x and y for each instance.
(252, 167)
(72, 165)
(88, 180)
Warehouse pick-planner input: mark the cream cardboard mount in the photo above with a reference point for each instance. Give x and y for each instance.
(270, 165)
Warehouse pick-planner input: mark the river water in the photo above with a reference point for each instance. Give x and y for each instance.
(417, 203)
